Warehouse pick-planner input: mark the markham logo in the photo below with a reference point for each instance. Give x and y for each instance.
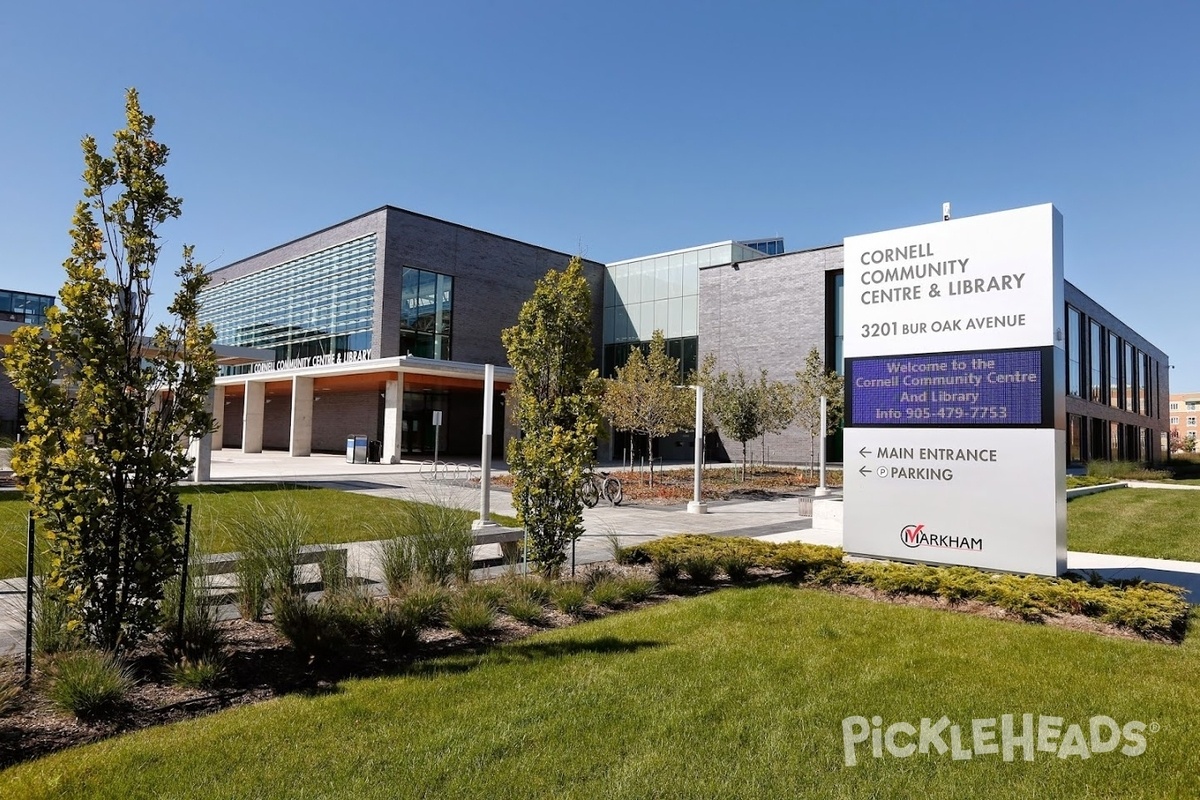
(914, 536)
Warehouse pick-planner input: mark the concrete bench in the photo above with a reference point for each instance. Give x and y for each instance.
(331, 560)
(509, 540)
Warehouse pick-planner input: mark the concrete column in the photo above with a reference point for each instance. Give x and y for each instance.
(218, 412)
(201, 449)
(393, 419)
(300, 440)
(252, 416)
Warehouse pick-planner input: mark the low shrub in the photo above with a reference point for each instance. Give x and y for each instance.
(310, 627)
(425, 602)
(471, 614)
(636, 588)
(569, 597)
(343, 622)
(203, 637)
(800, 561)
(1153, 610)
(90, 684)
(1125, 470)
(608, 592)
(196, 674)
(10, 692)
(525, 609)
(700, 567)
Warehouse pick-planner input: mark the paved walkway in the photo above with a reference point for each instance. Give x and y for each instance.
(775, 520)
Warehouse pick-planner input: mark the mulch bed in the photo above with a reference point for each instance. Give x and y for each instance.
(260, 665)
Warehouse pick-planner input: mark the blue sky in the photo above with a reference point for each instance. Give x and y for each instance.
(619, 129)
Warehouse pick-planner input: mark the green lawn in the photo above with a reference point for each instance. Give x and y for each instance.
(738, 694)
(1156, 523)
(337, 516)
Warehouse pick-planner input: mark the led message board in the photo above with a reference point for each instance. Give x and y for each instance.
(995, 388)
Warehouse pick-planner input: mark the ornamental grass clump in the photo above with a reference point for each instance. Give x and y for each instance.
(569, 597)
(91, 684)
(10, 692)
(525, 599)
(196, 674)
(425, 602)
(268, 542)
(608, 592)
(471, 614)
(202, 638)
(636, 588)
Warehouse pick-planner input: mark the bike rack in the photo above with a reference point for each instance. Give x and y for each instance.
(449, 472)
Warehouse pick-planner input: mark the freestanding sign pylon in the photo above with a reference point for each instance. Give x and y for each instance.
(955, 432)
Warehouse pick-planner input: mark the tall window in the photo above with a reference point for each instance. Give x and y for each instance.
(1074, 438)
(1096, 360)
(1074, 357)
(1115, 396)
(1130, 378)
(1143, 383)
(426, 303)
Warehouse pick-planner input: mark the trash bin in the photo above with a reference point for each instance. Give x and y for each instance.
(374, 451)
(356, 449)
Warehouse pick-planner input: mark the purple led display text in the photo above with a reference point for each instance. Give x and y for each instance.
(950, 389)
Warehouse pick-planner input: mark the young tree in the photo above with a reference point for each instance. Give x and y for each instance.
(645, 397)
(1175, 441)
(778, 407)
(735, 403)
(110, 405)
(558, 397)
(811, 383)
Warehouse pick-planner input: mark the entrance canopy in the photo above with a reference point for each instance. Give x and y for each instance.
(307, 408)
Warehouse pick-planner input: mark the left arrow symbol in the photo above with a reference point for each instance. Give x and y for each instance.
(864, 471)
(863, 452)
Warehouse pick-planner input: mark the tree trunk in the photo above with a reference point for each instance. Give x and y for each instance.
(650, 453)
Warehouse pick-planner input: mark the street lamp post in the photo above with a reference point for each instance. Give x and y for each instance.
(485, 457)
(697, 506)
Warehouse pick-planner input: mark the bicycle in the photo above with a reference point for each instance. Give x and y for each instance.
(603, 485)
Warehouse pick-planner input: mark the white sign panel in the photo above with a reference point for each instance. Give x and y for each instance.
(955, 425)
(983, 282)
(984, 498)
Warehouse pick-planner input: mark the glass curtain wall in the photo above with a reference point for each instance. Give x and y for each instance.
(660, 292)
(316, 305)
(426, 306)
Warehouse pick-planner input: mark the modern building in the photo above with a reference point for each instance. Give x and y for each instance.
(381, 326)
(754, 311)
(1184, 414)
(16, 309)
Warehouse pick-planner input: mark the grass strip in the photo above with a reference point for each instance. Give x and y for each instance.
(740, 693)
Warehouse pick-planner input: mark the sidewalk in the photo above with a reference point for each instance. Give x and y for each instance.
(773, 520)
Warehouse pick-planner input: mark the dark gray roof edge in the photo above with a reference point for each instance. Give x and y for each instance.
(1165, 356)
(385, 208)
